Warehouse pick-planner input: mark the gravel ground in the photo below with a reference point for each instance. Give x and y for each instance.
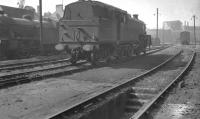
(39, 99)
(126, 70)
(183, 102)
(167, 73)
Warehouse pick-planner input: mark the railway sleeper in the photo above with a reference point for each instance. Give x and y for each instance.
(130, 109)
(137, 97)
(144, 89)
(141, 95)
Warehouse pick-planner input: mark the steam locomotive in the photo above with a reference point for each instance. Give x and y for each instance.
(93, 30)
(21, 36)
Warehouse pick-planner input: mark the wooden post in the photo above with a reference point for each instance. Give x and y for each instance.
(194, 31)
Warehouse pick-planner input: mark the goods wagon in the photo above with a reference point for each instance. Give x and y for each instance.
(21, 36)
(185, 37)
(93, 30)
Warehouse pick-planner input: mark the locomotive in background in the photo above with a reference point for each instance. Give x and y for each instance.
(20, 37)
(185, 37)
(93, 30)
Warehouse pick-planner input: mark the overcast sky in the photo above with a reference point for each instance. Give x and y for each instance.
(169, 9)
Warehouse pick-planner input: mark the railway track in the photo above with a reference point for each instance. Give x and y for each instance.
(44, 69)
(151, 96)
(32, 64)
(36, 74)
(143, 94)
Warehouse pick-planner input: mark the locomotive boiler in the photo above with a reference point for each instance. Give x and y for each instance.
(93, 30)
(21, 36)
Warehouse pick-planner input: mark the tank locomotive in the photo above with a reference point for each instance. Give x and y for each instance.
(93, 30)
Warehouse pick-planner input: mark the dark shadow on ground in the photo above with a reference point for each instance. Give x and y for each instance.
(141, 62)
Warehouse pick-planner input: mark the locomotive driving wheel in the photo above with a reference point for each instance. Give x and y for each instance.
(73, 60)
(137, 52)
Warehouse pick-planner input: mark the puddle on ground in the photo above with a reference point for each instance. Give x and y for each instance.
(179, 111)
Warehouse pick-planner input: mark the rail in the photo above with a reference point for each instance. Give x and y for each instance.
(108, 91)
(23, 76)
(42, 62)
(146, 107)
(30, 64)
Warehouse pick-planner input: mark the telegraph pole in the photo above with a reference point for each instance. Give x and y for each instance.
(157, 23)
(194, 17)
(163, 32)
(41, 27)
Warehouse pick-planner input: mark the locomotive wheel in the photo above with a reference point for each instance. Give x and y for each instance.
(137, 53)
(73, 61)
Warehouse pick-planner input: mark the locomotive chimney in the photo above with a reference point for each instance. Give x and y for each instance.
(135, 16)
